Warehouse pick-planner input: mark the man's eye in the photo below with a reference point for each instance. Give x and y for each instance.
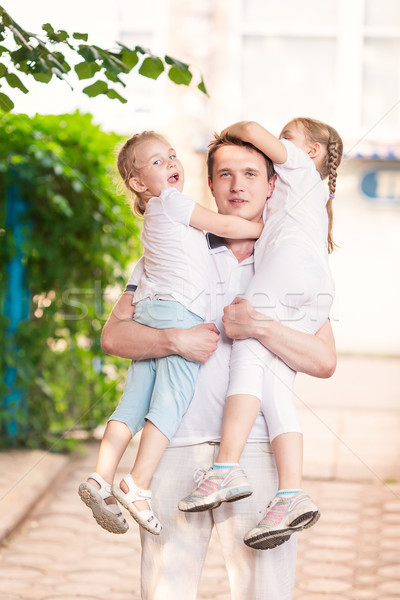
(251, 174)
(225, 174)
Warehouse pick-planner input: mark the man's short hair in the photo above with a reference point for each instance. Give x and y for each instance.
(230, 140)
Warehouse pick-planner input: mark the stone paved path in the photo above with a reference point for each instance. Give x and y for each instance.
(352, 452)
(60, 554)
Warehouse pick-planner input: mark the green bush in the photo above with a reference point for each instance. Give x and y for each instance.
(80, 237)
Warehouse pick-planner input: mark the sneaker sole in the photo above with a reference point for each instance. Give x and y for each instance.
(272, 539)
(231, 496)
(103, 518)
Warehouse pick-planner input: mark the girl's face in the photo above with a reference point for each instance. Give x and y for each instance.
(294, 132)
(158, 168)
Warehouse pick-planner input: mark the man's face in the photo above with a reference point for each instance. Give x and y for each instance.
(240, 183)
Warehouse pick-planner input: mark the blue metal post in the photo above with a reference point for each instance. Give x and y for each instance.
(16, 305)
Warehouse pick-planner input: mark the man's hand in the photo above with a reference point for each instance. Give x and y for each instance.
(197, 343)
(241, 320)
(305, 352)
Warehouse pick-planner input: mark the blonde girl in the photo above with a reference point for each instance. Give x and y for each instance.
(172, 293)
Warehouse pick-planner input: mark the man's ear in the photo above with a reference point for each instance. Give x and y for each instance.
(210, 185)
(136, 185)
(271, 186)
(315, 150)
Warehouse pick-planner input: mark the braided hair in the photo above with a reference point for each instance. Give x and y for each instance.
(328, 137)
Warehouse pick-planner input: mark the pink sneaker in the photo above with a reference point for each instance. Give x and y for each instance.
(283, 517)
(215, 488)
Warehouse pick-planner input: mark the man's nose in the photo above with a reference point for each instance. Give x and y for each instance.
(237, 184)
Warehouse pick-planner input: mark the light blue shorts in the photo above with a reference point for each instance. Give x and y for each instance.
(161, 389)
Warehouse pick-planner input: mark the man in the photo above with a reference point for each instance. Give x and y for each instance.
(240, 180)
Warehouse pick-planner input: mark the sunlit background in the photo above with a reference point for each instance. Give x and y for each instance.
(335, 60)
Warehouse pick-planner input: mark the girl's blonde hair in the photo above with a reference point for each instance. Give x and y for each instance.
(327, 136)
(127, 167)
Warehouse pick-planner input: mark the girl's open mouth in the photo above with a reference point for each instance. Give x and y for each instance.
(174, 178)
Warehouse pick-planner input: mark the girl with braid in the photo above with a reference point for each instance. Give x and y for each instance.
(293, 284)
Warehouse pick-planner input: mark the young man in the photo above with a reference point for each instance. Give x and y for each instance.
(241, 182)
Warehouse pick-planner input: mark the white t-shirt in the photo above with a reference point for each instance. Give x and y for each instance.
(203, 420)
(176, 261)
(296, 211)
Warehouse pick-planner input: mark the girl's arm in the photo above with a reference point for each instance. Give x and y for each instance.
(261, 138)
(225, 226)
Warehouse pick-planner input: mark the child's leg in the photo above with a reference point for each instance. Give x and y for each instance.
(151, 449)
(114, 443)
(173, 390)
(240, 413)
(288, 451)
(96, 491)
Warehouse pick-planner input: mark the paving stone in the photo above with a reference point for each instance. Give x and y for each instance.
(83, 589)
(329, 542)
(360, 594)
(325, 585)
(7, 572)
(332, 555)
(391, 572)
(390, 587)
(336, 571)
(349, 557)
(318, 597)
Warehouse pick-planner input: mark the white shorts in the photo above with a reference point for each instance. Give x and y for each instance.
(294, 286)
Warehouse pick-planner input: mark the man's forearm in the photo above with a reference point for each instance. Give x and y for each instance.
(311, 354)
(126, 338)
(304, 352)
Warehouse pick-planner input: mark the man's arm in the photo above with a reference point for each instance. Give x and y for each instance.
(124, 337)
(311, 354)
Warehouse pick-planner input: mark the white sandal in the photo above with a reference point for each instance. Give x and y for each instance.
(145, 518)
(107, 516)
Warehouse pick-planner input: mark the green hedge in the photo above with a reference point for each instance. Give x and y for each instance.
(80, 238)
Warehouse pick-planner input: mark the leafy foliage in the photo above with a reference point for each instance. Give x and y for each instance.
(44, 56)
(80, 237)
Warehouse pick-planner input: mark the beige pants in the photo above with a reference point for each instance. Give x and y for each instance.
(172, 562)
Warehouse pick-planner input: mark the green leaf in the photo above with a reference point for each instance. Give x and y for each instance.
(151, 67)
(142, 50)
(111, 61)
(55, 36)
(3, 49)
(3, 69)
(114, 78)
(99, 87)
(21, 55)
(15, 82)
(176, 63)
(202, 87)
(5, 17)
(89, 53)
(113, 94)
(6, 103)
(48, 29)
(86, 70)
(43, 77)
(80, 36)
(180, 77)
(129, 58)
